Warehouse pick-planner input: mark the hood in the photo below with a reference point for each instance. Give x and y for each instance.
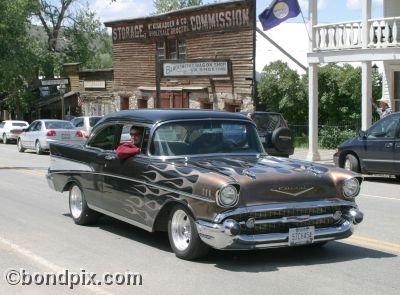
(267, 179)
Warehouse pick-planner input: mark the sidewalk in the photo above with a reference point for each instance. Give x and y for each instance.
(326, 155)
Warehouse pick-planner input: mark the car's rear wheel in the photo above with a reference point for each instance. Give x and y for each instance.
(80, 212)
(20, 147)
(5, 141)
(351, 163)
(38, 148)
(183, 236)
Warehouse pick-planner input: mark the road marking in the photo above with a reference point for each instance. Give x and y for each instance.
(379, 197)
(378, 244)
(47, 264)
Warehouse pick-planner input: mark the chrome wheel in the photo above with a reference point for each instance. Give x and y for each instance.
(20, 147)
(347, 165)
(4, 138)
(38, 148)
(75, 202)
(181, 230)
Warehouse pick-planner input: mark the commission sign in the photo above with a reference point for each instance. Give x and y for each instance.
(198, 68)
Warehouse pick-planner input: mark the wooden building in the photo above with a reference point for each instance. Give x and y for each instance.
(200, 57)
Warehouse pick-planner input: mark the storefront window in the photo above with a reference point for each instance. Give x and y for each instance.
(172, 49)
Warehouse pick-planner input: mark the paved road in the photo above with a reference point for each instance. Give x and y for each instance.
(37, 235)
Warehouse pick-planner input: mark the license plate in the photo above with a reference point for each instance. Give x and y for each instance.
(65, 136)
(301, 235)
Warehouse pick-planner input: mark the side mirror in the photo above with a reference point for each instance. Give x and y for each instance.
(362, 134)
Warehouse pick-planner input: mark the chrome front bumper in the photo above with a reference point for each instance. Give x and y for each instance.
(218, 236)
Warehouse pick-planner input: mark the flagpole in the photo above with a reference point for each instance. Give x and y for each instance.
(282, 50)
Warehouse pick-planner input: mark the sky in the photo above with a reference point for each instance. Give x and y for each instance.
(329, 11)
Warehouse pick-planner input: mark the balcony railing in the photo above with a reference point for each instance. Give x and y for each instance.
(348, 35)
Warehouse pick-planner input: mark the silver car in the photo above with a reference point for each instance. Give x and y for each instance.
(41, 133)
(10, 129)
(85, 123)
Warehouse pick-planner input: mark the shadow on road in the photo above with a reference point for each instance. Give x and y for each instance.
(249, 261)
(382, 179)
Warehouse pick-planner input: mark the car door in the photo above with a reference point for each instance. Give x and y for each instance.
(396, 161)
(27, 137)
(379, 147)
(125, 188)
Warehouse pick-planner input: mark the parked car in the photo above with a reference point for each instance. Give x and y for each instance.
(277, 138)
(10, 129)
(203, 177)
(376, 150)
(41, 133)
(85, 123)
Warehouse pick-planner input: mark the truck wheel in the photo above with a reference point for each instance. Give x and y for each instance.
(183, 235)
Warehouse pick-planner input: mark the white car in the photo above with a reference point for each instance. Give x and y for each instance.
(41, 133)
(85, 123)
(10, 129)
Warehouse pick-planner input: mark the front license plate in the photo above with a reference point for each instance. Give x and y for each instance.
(301, 235)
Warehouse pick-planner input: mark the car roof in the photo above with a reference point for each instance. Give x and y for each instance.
(151, 116)
(260, 113)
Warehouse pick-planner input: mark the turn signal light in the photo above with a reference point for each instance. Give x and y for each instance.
(51, 133)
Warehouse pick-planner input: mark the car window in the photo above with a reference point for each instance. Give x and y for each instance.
(77, 122)
(32, 126)
(19, 124)
(106, 137)
(93, 121)
(2, 125)
(126, 137)
(38, 126)
(268, 122)
(385, 128)
(58, 125)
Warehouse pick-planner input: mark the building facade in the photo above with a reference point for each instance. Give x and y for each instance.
(366, 41)
(200, 57)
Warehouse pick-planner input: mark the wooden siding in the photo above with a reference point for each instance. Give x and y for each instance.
(134, 63)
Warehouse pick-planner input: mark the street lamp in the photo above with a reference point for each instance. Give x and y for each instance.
(375, 69)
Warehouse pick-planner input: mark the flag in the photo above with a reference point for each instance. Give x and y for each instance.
(278, 11)
(80, 99)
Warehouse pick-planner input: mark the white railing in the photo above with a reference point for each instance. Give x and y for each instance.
(348, 35)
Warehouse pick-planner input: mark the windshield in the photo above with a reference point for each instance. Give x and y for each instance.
(205, 137)
(268, 122)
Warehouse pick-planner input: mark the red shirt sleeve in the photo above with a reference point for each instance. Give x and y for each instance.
(126, 150)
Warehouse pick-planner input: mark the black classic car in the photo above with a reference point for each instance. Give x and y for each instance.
(204, 177)
(374, 151)
(276, 137)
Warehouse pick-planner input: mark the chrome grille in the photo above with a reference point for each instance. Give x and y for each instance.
(279, 227)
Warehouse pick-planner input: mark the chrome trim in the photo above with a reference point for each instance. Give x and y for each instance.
(291, 219)
(218, 194)
(214, 235)
(122, 218)
(281, 206)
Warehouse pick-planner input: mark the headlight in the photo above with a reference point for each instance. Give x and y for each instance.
(351, 187)
(228, 196)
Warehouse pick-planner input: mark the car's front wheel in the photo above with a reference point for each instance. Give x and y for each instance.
(20, 147)
(5, 141)
(80, 212)
(183, 235)
(351, 163)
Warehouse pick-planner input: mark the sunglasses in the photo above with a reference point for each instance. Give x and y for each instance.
(136, 134)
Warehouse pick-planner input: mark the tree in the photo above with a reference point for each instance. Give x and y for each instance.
(281, 89)
(169, 5)
(73, 34)
(18, 53)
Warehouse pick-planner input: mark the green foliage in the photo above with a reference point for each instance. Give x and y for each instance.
(331, 136)
(170, 5)
(281, 89)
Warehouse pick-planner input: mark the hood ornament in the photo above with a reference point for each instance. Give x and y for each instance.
(292, 191)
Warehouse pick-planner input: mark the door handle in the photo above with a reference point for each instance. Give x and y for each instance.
(388, 145)
(110, 157)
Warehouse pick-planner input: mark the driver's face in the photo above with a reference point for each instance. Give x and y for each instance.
(136, 136)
